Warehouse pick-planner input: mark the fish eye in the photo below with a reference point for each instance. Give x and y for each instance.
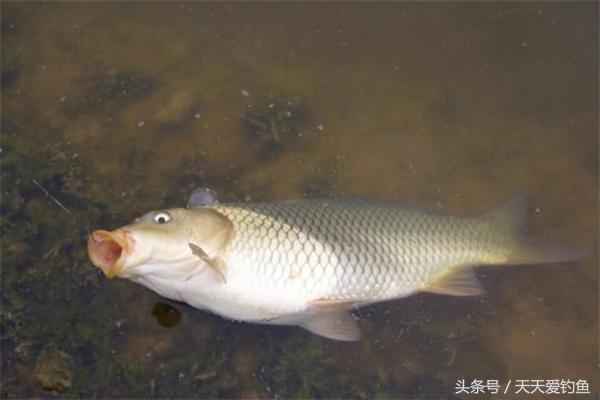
(162, 217)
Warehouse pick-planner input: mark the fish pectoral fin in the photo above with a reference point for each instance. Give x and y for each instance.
(460, 281)
(216, 263)
(338, 325)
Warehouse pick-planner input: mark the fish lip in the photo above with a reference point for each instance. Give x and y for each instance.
(108, 250)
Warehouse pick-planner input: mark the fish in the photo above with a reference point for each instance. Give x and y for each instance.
(311, 262)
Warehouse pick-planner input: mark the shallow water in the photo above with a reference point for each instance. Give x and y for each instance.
(113, 109)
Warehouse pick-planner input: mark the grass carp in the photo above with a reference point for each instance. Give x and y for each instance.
(310, 262)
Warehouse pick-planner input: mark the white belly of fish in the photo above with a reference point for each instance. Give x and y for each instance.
(285, 287)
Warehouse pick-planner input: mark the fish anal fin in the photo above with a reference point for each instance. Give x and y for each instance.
(336, 325)
(216, 263)
(459, 281)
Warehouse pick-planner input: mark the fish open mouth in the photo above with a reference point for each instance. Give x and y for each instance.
(107, 250)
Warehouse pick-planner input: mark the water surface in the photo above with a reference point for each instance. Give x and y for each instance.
(113, 109)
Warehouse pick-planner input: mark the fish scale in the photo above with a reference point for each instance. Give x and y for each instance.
(351, 250)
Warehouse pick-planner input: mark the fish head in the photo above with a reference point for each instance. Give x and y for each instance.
(158, 243)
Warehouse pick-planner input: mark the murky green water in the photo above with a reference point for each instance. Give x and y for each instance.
(110, 110)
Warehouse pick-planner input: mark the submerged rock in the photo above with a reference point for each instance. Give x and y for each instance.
(54, 370)
(166, 315)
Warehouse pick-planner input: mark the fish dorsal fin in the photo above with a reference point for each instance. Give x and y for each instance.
(460, 281)
(202, 197)
(338, 325)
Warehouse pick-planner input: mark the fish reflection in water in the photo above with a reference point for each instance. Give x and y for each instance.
(310, 262)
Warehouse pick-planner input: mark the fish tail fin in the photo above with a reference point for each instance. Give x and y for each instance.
(532, 250)
(513, 217)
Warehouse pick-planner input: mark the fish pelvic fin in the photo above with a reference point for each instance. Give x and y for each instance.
(460, 281)
(326, 304)
(337, 325)
(513, 217)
